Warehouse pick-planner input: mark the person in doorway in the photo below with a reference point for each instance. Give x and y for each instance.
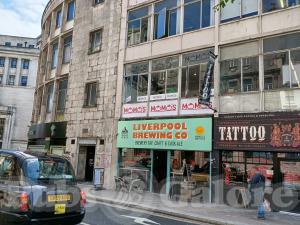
(257, 187)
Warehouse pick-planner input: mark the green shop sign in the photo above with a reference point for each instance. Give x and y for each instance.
(174, 134)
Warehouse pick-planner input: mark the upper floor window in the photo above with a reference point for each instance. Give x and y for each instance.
(164, 78)
(198, 14)
(239, 68)
(95, 41)
(50, 94)
(2, 61)
(13, 63)
(31, 46)
(1, 79)
(90, 94)
(25, 64)
(96, 2)
(54, 56)
(19, 45)
(62, 95)
(7, 44)
(11, 80)
(58, 18)
(193, 71)
(166, 19)
(50, 25)
(136, 82)
(23, 81)
(67, 50)
(71, 11)
(239, 9)
(138, 26)
(272, 5)
(2, 123)
(282, 62)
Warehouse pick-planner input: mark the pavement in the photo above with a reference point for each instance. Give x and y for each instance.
(204, 213)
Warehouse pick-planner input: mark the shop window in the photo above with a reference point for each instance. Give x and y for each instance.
(193, 71)
(136, 82)
(166, 19)
(239, 75)
(136, 163)
(62, 95)
(67, 51)
(198, 14)
(2, 61)
(50, 94)
(54, 56)
(138, 26)
(90, 95)
(239, 9)
(164, 78)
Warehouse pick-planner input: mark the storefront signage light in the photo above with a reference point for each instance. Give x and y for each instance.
(177, 134)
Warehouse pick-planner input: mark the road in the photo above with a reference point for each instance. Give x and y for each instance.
(105, 214)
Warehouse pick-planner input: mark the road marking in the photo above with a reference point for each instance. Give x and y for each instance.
(140, 220)
(84, 223)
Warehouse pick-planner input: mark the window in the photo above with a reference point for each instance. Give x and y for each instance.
(54, 56)
(2, 61)
(25, 64)
(272, 5)
(198, 14)
(62, 94)
(49, 28)
(71, 11)
(193, 71)
(7, 44)
(1, 79)
(23, 81)
(95, 41)
(9, 169)
(13, 63)
(282, 62)
(239, 9)
(11, 80)
(67, 50)
(31, 46)
(50, 93)
(166, 19)
(2, 123)
(164, 78)
(90, 95)
(58, 19)
(136, 82)
(138, 26)
(96, 2)
(19, 45)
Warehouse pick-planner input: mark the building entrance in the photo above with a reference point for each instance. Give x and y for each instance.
(86, 160)
(159, 171)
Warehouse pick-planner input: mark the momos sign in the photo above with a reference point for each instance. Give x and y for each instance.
(263, 131)
(187, 134)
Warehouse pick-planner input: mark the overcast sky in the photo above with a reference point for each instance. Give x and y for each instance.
(21, 17)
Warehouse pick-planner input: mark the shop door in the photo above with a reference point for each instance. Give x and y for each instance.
(89, 166)
(289, 178)
(159, 171)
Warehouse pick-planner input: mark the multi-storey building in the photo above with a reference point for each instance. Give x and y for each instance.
(18, 69)
(164, 52)
(76, 88)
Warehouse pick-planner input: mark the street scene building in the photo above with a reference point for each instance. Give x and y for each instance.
(76, 88)
(18, 69)
(256, 98)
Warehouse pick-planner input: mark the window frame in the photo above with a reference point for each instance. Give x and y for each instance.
(25, 66)
(67, 44)
(59, 92)
(13, 63)
(88, 94)
(71, 15)
(2, 62)
(9, 81)
(21, 81)
(49, 98)
(98, 2)
(54, 58)
(58, 21)
(98, 48)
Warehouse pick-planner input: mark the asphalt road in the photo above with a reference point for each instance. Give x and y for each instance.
(105, 214)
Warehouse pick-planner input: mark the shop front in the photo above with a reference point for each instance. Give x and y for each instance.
(268, 142)
(169, 155)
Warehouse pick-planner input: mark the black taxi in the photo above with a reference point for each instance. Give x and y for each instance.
(38, 188)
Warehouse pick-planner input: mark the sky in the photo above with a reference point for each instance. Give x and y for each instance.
(21, 17)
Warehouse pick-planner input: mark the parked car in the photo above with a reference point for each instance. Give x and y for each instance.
(38, 188)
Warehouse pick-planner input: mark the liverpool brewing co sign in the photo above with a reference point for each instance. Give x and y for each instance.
(258, 131)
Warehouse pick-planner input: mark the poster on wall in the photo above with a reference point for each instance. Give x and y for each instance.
(165, 108)
(258, 131)
(134, 110)
(193, 107)
(173, 134)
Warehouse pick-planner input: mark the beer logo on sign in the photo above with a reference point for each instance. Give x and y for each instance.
(125, 133)
(285, 135)
(200, 131)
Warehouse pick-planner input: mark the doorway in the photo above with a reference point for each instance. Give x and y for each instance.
(89, 164)
(159, 171)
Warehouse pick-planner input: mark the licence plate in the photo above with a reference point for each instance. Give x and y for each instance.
(59, 198)
(59, 209)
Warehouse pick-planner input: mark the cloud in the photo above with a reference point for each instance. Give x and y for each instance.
(21, 17)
